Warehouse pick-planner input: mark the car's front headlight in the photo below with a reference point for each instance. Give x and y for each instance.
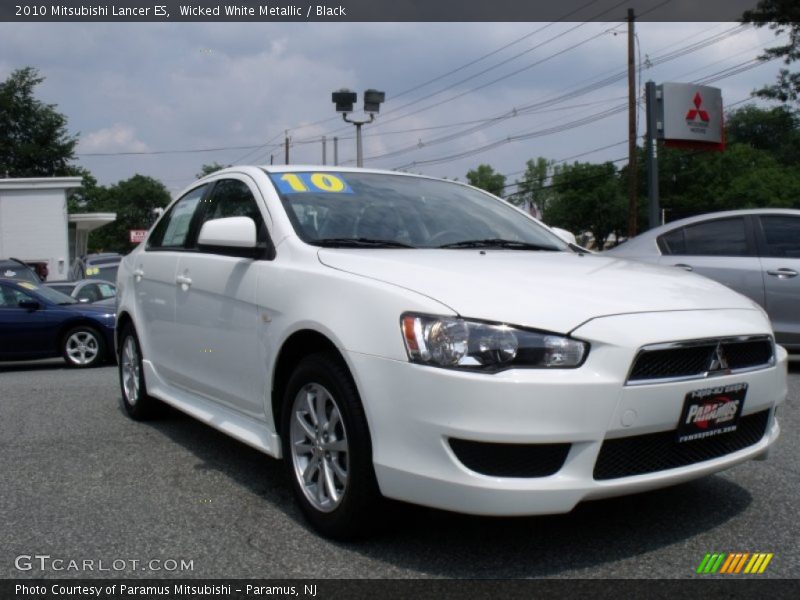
(458, 343)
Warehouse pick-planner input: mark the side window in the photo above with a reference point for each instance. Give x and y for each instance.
(232, 198)
(106, 291)
(173, 227)
(782, 235)
(91, 292)
(10, 297)
(721, 237)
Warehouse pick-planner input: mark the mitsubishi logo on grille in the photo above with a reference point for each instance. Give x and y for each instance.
(719, 362)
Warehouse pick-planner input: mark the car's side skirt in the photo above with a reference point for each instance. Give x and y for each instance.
(239, 426)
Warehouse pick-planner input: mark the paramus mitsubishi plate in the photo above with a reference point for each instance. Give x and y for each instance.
(398, 336)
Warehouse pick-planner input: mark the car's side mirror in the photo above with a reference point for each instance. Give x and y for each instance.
(231, 235)
(30, 305)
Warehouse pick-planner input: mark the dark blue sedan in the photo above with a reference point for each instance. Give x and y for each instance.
(40, 322)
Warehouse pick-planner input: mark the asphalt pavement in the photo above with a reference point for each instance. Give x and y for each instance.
(174, 498)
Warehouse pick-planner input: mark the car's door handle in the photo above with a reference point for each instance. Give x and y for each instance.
(138, 274)
(183, 281)
(783, 273)
(684, 266)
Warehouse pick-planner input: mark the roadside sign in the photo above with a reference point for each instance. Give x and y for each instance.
(690, 113)
(137, 235)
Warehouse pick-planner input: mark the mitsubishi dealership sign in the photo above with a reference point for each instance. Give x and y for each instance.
(690, 115)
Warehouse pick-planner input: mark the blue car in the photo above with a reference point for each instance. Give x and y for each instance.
(39, 322)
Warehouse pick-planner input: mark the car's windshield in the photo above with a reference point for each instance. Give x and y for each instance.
(378, 210)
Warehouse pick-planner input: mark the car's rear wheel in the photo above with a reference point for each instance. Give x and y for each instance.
(327, 449)
(135, 399)
(83, 347)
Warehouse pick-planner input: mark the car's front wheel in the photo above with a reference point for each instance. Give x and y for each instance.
(135, 399)
(83, 347)
(327, 449)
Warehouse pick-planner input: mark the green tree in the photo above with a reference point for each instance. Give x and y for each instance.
(588, 197)
(775, 130)
(34, 141)
(532, 189)
(133, 200)
(208, 169)
(486, 178)
(781, 16)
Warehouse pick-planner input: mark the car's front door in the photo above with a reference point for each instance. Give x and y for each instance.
(218, 325)
(24, 332)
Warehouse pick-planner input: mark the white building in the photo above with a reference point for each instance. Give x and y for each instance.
(35, 226)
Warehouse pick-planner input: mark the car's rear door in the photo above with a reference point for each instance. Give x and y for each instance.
(722, 249)
(154, 280)
(779, 244)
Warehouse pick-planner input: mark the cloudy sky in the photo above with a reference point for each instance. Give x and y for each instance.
(457, 93)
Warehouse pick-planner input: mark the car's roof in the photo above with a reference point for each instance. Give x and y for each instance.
(309, 167)
(647, 238)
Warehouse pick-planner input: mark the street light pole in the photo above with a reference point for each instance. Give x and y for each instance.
(344, 100)
(358, 124)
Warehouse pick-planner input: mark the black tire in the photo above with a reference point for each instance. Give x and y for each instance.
(135, 400)
(83, 347)
(325, 379)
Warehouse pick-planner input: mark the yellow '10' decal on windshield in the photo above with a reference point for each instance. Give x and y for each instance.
(298, 183)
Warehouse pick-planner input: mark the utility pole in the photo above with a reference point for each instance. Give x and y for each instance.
(651, 98)
(324, 151)
(336, 151)
(286, 148)
(633, 204)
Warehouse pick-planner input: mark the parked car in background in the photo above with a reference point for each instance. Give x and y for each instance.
(396, 335)
(13, 268)
(755, 252)
(87, 290)
(39, 322)
(96, 266)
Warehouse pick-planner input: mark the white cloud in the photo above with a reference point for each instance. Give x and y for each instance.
(117, 138)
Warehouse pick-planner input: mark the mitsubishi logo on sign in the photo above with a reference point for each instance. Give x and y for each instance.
(690, 113)
(697, 111)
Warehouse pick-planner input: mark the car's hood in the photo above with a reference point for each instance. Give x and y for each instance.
(556, 291)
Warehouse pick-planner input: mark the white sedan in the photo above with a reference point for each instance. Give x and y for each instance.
(399, 336)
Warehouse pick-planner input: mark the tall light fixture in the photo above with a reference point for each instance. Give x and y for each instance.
(344, 100)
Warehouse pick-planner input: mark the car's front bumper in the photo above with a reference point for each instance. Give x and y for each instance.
(413, 412)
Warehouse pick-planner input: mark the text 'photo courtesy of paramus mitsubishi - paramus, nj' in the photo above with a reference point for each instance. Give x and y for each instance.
(398, 336)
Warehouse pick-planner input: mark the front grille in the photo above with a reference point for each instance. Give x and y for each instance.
(510, 460)
(695, 359)
(653, 452)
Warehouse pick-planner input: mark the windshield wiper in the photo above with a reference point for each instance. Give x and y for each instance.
(360, 242)
(499, 243)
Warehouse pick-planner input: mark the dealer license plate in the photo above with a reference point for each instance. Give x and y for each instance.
(711, 411)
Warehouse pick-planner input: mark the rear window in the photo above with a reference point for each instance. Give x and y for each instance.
(721, 237)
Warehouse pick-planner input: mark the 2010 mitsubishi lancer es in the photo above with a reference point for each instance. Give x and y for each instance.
(399, 336)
